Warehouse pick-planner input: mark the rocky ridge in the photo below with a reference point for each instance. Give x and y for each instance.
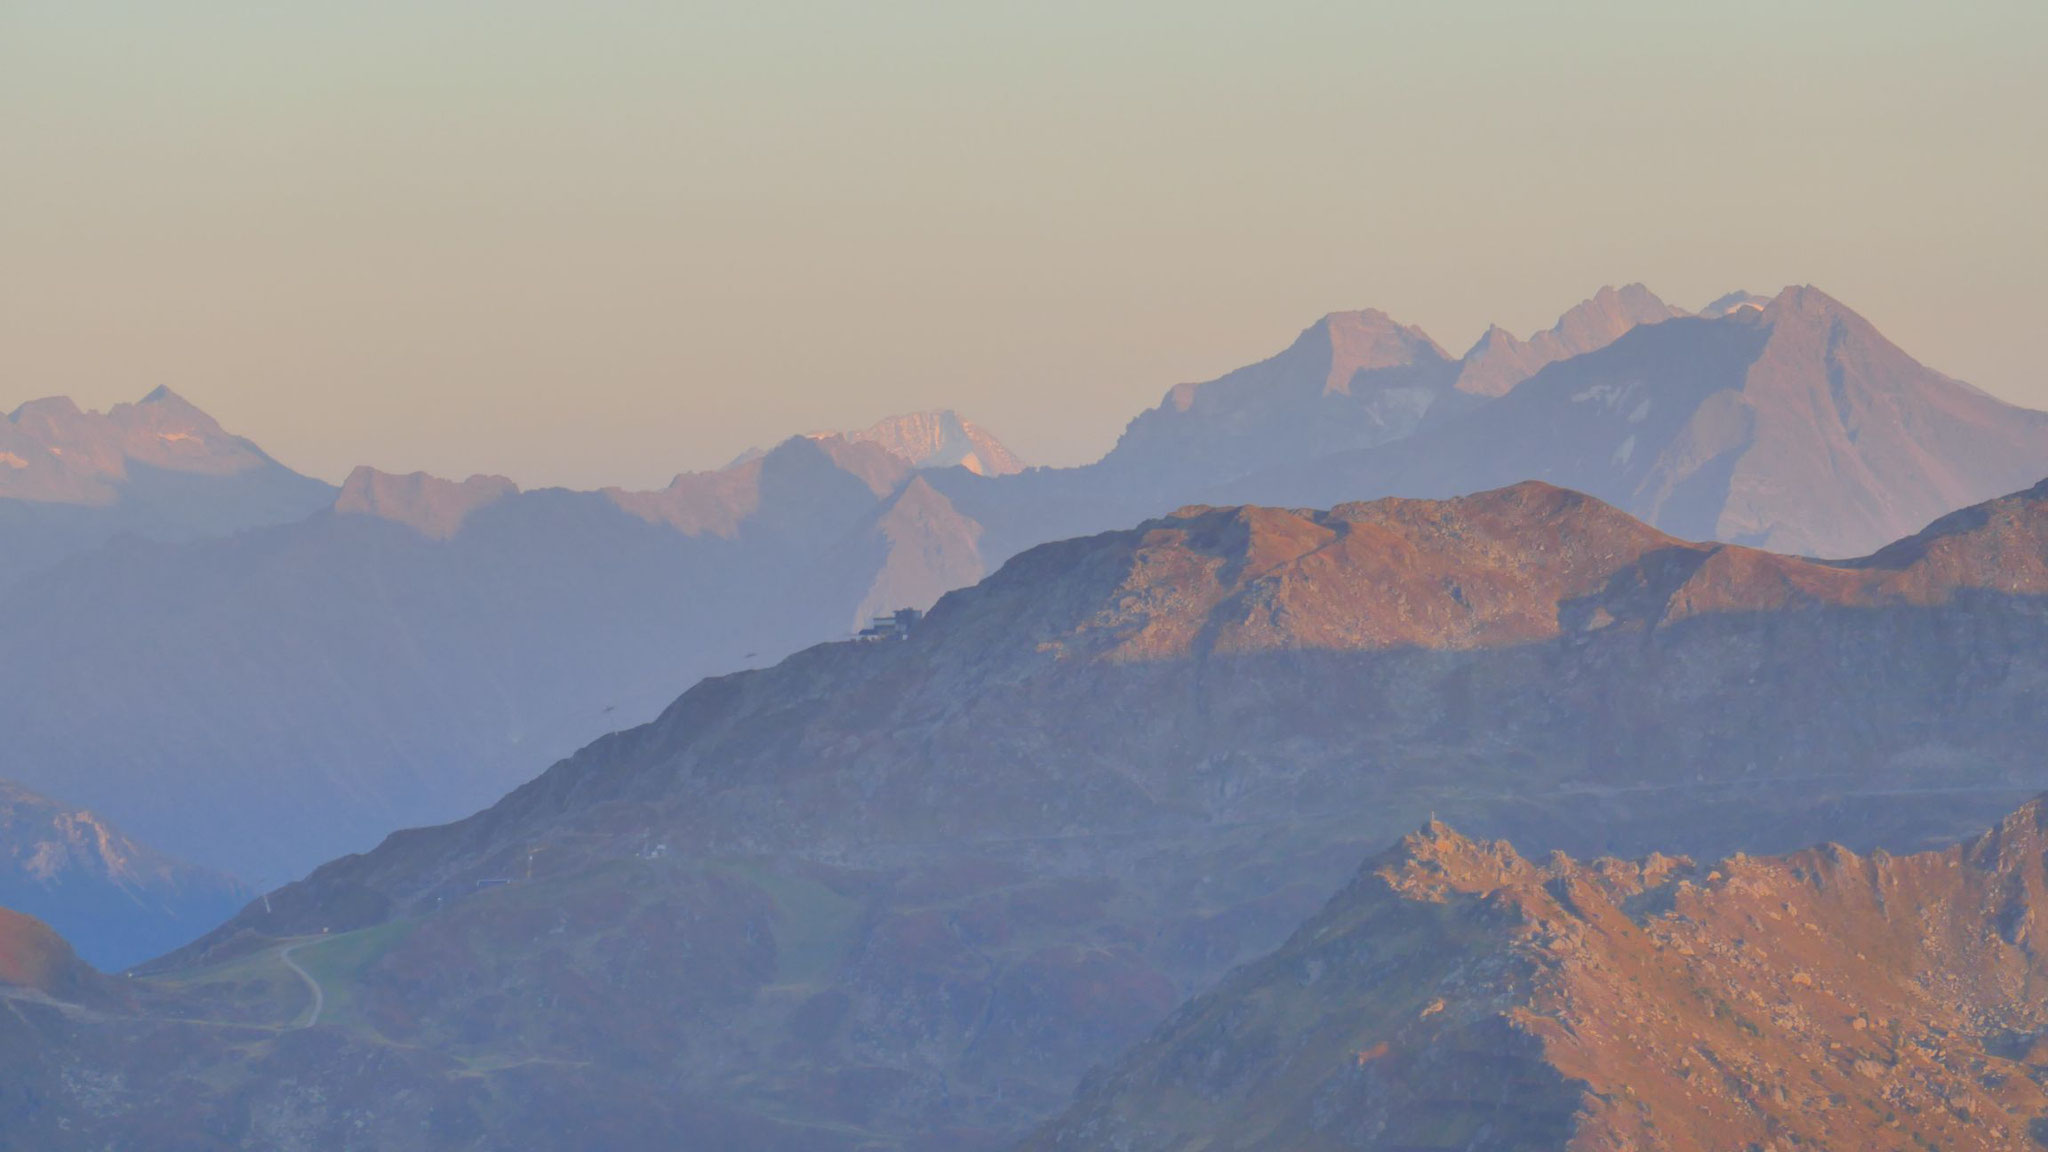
(1459, 995)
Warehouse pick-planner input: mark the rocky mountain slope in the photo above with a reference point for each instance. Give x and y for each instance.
(900, 894)
(118, 901)
(159, 468)
(1458, 995)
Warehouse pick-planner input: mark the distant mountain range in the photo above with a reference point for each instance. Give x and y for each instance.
(1794, 426)
(119, 902)
(901, 894)
(268, 700)
(940, 438)
(159, 469)
(1458, 995)
(416, 646)
(1787, 423)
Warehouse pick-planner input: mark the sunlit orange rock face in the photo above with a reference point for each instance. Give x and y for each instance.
(36, 959)
(1458, 995)
(1521, 564)
(51, 451)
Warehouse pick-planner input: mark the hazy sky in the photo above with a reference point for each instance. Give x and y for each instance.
(599, 242)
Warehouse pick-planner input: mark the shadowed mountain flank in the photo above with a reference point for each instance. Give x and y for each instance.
(1499, 361)
(1351, 380)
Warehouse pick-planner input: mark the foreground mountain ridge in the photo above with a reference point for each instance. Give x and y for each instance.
(921, 884)
(1456, 994)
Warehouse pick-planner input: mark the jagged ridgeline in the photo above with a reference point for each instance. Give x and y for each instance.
(901, 895)
(1457, 995)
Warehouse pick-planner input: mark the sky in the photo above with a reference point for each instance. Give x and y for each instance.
(603, 242)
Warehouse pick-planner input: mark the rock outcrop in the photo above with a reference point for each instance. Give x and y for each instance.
(1458, 995)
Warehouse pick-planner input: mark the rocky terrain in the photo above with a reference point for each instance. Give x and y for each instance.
(1458, 995)
(117, 901)
(901, 894)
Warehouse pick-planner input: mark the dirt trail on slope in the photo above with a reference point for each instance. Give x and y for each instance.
(311, 1016)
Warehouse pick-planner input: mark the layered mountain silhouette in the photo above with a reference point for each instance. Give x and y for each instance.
(1458, 995)
(1794, 426)
(160, 469)
(1788, 423)
(418, 646)
(296, 692)
(118, 901)
(900, 894)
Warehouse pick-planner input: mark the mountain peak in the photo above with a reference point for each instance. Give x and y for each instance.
(55, 452)
(1437, 861)
(429, 505)
(1367, 340)
(1804, 300)
(45, 408)
(1735, 301)
(1601, 319)
(1500, 360)
(940, 438)
(163, 397)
